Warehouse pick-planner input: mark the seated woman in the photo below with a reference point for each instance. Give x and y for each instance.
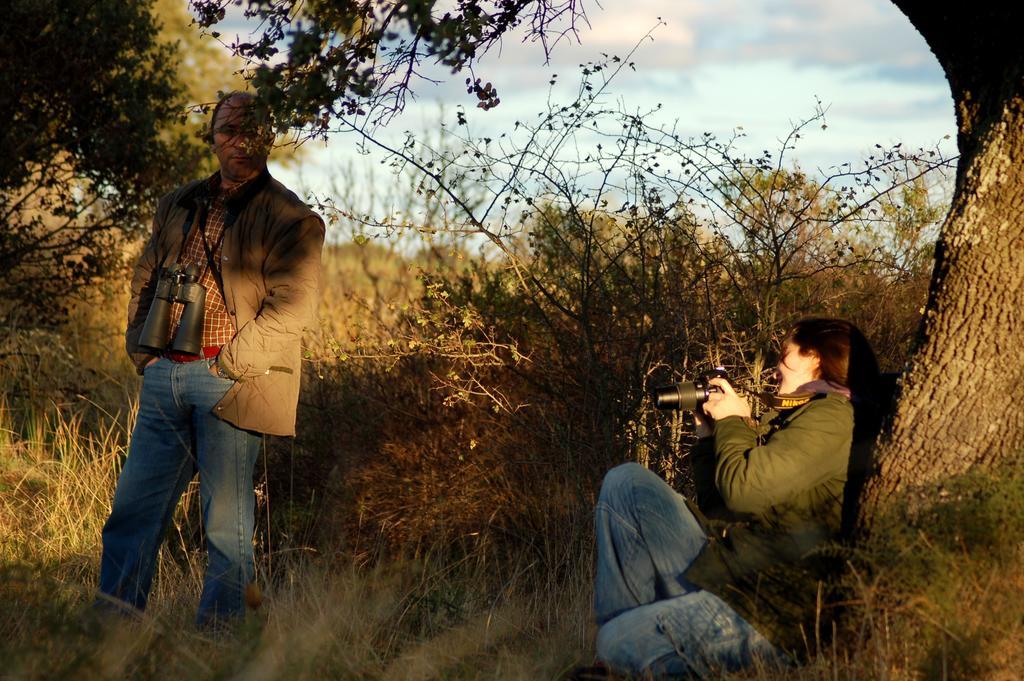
(684, 592)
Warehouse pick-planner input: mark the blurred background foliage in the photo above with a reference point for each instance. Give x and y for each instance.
(104, 106)
(89, 99)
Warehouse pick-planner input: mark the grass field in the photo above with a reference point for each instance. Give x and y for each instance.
(357, 584)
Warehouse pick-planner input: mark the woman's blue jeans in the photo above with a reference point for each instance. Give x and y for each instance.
(651, 620)
(176, 435)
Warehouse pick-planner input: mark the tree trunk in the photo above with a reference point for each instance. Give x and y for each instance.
(962, 398)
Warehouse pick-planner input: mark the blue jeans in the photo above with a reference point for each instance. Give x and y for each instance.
(652, 621)
(176, 435)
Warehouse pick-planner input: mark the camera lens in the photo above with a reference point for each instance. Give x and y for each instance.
(666, 397)
(687, 395)
(692, 394)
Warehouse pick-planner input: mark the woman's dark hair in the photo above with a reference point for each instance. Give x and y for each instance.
(846, 356)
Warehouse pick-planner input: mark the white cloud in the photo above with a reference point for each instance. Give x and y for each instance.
(831, 33)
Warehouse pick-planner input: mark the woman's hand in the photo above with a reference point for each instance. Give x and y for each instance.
(726, 403)
(705, 426)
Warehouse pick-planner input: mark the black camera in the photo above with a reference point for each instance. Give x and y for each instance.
(177, 284)
(688, 395)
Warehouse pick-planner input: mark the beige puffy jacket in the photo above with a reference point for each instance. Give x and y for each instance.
(270, 265)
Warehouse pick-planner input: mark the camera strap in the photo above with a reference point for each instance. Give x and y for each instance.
(185, 228)
(782, 402)
(210, 260)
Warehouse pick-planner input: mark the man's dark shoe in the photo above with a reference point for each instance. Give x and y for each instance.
(593, 672)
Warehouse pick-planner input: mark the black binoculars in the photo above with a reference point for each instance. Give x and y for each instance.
(177, 284)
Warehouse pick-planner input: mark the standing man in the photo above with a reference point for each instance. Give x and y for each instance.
(256, 248)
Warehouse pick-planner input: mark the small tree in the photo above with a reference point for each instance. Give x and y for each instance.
(621, 253)
(87, 95)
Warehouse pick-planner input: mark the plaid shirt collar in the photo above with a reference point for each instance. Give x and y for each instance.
(213, 187)
(236, 199)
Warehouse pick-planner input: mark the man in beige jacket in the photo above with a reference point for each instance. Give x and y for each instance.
(255, 248)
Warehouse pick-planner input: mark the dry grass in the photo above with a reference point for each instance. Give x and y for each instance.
(321, 618)
(479, 580)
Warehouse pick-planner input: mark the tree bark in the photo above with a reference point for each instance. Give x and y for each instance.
(961, 401)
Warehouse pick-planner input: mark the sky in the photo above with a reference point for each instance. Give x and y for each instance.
(713, 65)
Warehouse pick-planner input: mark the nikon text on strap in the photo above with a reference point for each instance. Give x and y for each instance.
(780, 402)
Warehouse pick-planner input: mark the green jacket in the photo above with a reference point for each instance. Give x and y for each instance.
(770, 497)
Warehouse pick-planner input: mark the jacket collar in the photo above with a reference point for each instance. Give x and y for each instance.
(234, 205)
